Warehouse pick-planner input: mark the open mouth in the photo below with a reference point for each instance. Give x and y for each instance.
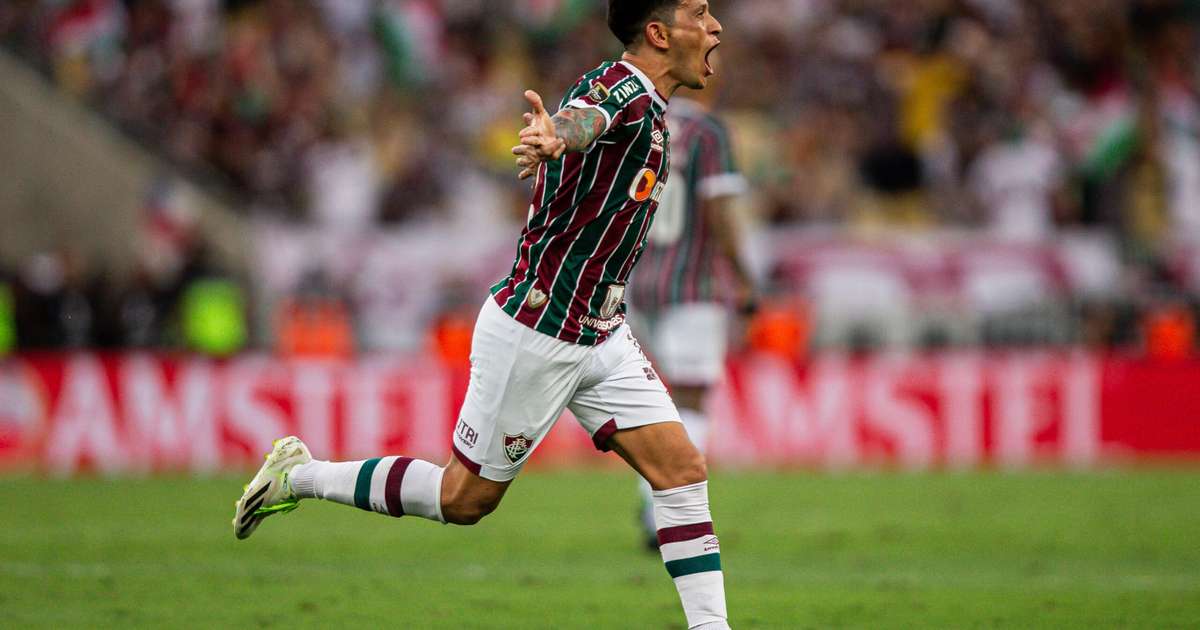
(708, 67)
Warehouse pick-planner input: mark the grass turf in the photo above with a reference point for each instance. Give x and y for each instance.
(1097, 550)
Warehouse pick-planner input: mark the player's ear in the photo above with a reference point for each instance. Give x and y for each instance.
(658, 35)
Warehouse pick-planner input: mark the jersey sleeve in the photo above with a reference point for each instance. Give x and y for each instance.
(612, 93)
(717, 172)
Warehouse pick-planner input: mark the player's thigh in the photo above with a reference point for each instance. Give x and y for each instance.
(625, 407)
(620, 390)
(520, 382)
(690, 342)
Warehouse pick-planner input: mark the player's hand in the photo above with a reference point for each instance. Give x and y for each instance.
(539, 139)
(747, 300)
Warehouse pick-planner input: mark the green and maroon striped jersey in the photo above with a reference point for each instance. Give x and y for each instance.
(591, 212)
(682, 262)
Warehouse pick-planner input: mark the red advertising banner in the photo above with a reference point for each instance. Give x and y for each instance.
(140, 413)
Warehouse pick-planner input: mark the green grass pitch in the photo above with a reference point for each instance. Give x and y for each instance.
(992, 550)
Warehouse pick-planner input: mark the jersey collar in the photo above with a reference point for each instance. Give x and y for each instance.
(646, 83)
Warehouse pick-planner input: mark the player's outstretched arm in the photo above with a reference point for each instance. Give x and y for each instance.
(724, 224)
(579, 128)
(546, 138)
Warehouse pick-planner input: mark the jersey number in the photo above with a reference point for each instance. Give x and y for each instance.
(669, 220)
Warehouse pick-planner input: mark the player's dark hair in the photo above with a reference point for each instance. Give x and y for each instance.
(628, 18)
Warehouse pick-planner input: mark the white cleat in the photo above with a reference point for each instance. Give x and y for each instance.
(270, 492)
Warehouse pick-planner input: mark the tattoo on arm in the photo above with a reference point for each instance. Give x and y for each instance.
(579, 128)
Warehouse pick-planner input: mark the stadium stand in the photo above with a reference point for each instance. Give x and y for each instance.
(1000, 172)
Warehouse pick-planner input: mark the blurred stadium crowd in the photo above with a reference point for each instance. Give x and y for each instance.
(933, 172)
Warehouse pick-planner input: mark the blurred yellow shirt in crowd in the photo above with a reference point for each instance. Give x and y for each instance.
(932, 85)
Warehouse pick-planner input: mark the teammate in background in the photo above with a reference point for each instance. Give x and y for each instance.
(679, 290)
(552, 335)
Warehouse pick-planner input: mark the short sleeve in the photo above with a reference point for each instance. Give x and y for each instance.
(612, 93)
(717, 173)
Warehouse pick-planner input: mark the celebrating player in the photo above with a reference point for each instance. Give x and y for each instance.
(552, 335)
(693, 249)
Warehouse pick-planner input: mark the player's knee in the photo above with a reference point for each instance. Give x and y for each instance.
(693, 470)
(688, 470)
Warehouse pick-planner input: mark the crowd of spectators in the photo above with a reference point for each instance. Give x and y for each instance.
(174, 296)
(1012, 118)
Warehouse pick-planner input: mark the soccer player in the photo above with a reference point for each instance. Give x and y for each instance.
(693, 249)
(552, 335)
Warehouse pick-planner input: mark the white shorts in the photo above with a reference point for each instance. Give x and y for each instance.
(521, 380)
(689, 342)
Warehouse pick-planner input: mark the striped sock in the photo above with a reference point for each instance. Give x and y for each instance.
(692, 554)
(395, 486)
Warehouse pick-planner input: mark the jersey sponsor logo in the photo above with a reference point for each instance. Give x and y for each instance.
(602, 325)
(598, 93)
(625, 90)
(643, 185)
(516, 447)
(646, 186)
(466, 434)
(612, 301)
(536, 298)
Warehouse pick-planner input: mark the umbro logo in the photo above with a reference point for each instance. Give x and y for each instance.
(659, 141)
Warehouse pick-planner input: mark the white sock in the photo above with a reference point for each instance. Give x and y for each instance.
(692, 553)
(396, 486)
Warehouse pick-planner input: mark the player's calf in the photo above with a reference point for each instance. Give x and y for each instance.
(466, 497)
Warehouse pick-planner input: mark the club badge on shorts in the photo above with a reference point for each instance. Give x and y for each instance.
(516, 447)
(612, 301)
